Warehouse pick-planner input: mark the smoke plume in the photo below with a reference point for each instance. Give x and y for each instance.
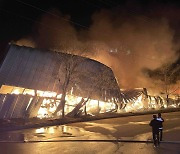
(133, 45)
(127, 45)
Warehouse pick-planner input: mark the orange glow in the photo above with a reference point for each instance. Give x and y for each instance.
(6, 89)
(17, 90)
(29, 92)
(51, 100)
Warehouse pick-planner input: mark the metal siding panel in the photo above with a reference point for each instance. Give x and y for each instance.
(27, 72)
(42, 83)
(51, 84)
(2, 100)
(30, 81)
(24, 105)
(36, 71)
(49, 74)
(22, 67)
(7, 65)
(11, 109)
(30, 67)
(31, 107)
(7, 104)
(43, 64)
(52, 71)
(18, 105)
(48, 62)
(14, 72)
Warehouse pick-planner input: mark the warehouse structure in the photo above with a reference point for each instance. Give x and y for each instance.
(31, 82)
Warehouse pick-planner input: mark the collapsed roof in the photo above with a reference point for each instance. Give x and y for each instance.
(45, 70)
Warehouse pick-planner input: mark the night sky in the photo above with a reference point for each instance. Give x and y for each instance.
(133, 23)
(18, 16)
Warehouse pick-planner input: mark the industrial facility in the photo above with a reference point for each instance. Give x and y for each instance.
(48, 84)
(32, 82)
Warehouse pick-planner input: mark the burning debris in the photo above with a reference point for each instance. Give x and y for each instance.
(46, 85)
(45, 103)
(140, 99)
(49, 84)
(129, 42)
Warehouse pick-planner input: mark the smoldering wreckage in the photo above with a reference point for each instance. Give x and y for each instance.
(44, 84)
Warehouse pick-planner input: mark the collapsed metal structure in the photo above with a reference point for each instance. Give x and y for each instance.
(28, 76)
(31, 83)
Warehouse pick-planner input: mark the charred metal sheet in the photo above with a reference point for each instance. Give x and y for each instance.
(131, 94)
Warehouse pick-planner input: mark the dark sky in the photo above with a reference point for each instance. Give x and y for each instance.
(20, 19)
(18, 16)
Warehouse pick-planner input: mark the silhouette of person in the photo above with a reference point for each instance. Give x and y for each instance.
(161, 120)
(155, 124)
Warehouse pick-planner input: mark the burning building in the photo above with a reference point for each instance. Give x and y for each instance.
(34, 82)
(37, 83)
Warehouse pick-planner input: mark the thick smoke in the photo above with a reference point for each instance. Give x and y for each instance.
(127, 45)
(134, 44)
(54, 32)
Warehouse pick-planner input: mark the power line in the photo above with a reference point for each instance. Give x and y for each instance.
(132, 12)
(32, 20)
(50, 27)
(55, 15)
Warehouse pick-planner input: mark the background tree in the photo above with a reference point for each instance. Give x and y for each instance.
(166, 78)
(95, 80)
(170, 74)
(67, 65)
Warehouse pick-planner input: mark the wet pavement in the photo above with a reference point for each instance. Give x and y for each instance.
(112, 135)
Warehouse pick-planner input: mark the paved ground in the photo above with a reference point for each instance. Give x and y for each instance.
(134, 128)
(18, 124)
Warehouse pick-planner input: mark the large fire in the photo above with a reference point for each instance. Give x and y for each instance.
(51, 101)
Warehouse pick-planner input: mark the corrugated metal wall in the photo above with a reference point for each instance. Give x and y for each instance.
(33, 69)
(28, 68)
(19, 106)
(14, 106)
